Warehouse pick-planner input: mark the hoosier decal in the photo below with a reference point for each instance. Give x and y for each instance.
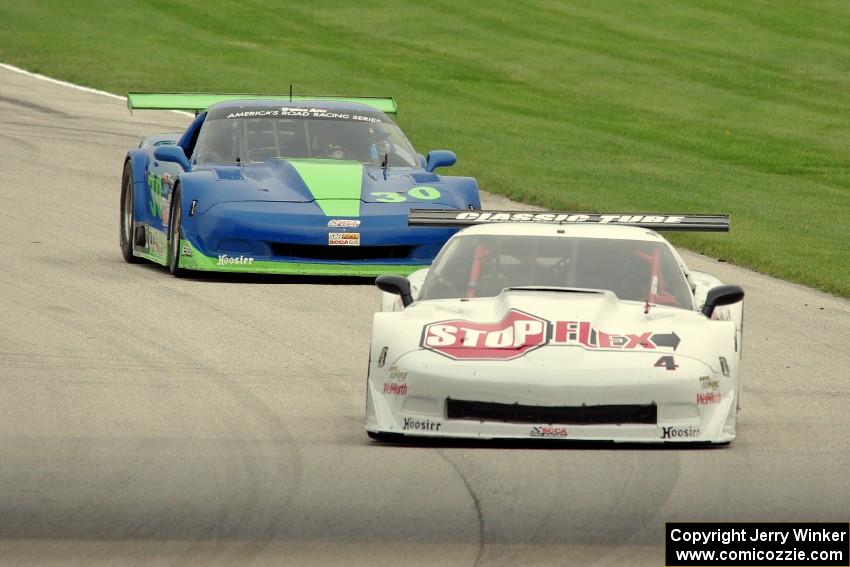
(224, 260)
(412, 424)
(519, 333)
(680, 432)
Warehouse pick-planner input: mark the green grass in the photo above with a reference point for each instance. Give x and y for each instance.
(702, 106)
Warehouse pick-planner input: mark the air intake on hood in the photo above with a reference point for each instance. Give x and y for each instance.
(576, 415)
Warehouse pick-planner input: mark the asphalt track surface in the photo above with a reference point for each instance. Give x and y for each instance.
(146, 419)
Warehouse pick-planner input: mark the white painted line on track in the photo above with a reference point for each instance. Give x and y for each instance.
(73, 85)
(58, 82)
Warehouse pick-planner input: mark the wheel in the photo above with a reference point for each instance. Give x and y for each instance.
(128, 218)
(174, 236)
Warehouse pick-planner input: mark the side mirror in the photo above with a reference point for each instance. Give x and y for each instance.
(439, 158)
(173, 154)
(398, 285)
(720, 296)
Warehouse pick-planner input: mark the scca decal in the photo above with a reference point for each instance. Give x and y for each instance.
(519, 333)
(548, 431)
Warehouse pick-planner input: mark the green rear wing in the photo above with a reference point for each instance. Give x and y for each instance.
(197, 102)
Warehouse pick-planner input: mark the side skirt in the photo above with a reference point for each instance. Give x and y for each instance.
(150, 243)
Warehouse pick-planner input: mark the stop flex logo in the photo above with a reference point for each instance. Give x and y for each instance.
(520, 333)
(513, 336)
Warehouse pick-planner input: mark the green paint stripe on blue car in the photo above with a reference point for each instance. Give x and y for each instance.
(336, 185)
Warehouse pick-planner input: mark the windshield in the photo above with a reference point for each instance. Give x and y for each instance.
(483, 265)
(255, 134)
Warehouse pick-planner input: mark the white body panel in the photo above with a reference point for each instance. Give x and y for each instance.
(583, 365)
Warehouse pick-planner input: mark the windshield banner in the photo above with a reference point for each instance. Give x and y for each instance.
(313, 113)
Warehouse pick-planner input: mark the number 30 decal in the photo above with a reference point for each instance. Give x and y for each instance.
(423, 193)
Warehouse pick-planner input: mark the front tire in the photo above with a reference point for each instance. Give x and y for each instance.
(128, 217)
(176, 217)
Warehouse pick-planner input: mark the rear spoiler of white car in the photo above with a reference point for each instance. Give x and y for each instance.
(654, 221)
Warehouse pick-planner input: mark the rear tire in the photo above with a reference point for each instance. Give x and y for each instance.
(127, 219)
(174, 252)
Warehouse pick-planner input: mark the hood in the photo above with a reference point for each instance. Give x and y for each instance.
(338, 187)
(522, 320)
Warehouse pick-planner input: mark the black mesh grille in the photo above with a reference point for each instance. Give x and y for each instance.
(341, 253)
(576, 415)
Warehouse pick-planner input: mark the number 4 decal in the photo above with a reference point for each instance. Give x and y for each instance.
(667, 362)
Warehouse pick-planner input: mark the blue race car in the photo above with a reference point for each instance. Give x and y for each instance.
(284, 185)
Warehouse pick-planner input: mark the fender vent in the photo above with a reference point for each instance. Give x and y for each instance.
(140, 236)
(576, 415)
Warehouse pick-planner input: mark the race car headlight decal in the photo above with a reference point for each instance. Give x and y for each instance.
(724, 366)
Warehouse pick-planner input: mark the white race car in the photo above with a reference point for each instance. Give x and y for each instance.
(557, 325)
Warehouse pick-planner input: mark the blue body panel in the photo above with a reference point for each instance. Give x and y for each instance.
(266, 210)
